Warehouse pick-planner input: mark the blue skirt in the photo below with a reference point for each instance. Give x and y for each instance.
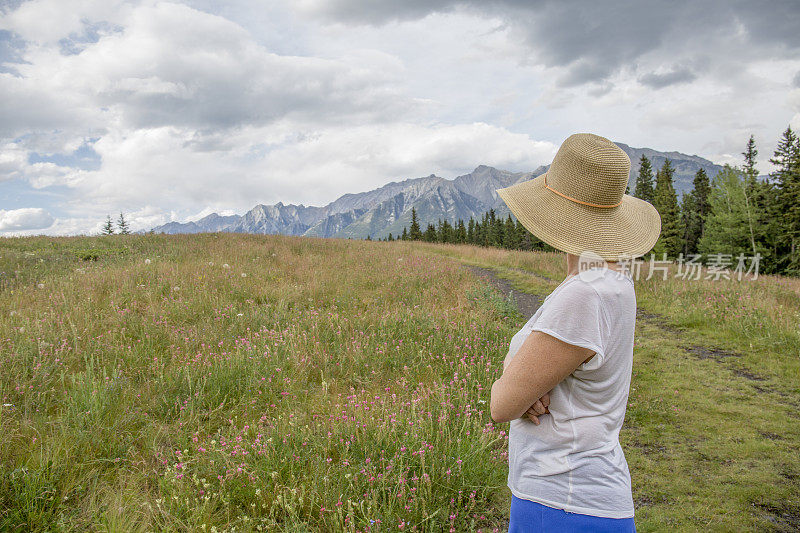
(530, 517)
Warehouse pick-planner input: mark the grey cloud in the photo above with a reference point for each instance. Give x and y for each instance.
(660, 80)
(796, 80)
(593, 40)
(584, 71)
(601, 89)
(376, 11)
(774, 22)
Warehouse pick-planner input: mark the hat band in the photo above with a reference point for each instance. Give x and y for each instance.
(575, 199)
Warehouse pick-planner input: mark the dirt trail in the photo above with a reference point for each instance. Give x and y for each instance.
(527, 303)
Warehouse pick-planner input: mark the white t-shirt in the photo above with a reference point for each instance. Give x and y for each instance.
(573, 460)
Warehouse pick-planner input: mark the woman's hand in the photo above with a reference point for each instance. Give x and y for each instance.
(540, 407)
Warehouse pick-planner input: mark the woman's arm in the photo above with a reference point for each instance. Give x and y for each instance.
(540, 364)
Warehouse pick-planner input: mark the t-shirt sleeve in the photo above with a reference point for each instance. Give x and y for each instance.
(576, 316)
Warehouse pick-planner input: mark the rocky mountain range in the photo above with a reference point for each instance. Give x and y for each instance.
(387, 209)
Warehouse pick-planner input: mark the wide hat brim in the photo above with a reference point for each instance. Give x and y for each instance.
(614, 233)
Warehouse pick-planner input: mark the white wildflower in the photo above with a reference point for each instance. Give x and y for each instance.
(244, 275)
(146, 261)
(176, 288)
(41, 285)
(226, 266)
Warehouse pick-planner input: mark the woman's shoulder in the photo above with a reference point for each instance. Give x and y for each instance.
(604, 288)
(604, 280)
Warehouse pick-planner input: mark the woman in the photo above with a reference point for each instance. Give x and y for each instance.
(567, 374)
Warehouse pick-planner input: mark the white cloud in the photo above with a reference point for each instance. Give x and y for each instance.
(170, 167)
(28, 218)
(338, 161)
(176, 66)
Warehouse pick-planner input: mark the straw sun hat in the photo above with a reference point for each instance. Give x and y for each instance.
(579, 205)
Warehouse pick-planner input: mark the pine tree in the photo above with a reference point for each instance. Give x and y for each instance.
(644, 181)
(526, 243)
(389, 238)
(495, 229)
(694, 210)
(484, 231)
(122, 224)
(701, 190)
(510, 234)
(666, 202)
(414, 232)
(108, 227)
(690, 221)
(751, 178)
(430, 234)
(523, 237)
(750, 153)
(787, 201)
(446, 232)
(772, 228)
(471, 231)
(461, 232)
(404, 236)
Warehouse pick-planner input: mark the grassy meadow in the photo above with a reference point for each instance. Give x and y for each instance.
(225, 382)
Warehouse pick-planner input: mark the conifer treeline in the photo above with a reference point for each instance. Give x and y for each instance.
(732, 214)
(736, 213)
(489, 230)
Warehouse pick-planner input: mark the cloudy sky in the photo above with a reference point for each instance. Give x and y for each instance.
(172, 110)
